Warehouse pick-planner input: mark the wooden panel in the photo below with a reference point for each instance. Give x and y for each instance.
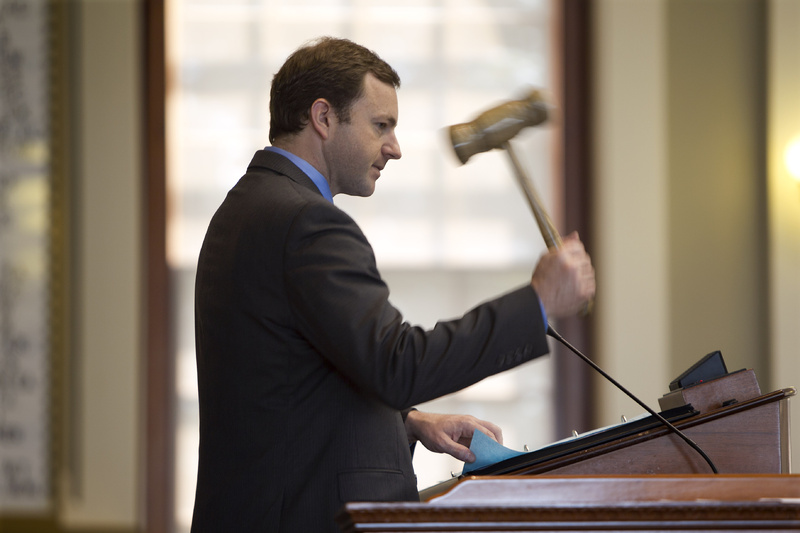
(619, 503)
(561, 490)
(715, 394)
(742, 438)
(650, 517)
(748, 442)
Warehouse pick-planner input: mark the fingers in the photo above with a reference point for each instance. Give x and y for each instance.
(467, 425)
(460, 452)
(564, 279)
(572, 237)
(491, 430)
(450, 434)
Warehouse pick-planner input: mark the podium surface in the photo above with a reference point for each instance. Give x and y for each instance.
(754, 502)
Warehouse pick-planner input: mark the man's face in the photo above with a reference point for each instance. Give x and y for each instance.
(358, 150)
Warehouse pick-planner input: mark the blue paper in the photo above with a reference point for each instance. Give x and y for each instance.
(487, 452)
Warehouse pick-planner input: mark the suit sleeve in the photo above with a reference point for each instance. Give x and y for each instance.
(341, 305)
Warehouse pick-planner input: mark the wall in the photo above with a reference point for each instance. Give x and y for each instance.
(784, 202)
(683, 261)
(631, 229)
(103, 431)
(716, 167)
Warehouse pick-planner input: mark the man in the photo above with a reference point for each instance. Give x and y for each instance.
(306, 372)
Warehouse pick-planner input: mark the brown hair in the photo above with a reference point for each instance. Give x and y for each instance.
(328, 68)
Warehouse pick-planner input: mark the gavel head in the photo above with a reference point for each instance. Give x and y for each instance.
(495, 127)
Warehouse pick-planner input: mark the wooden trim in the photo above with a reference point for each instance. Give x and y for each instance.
(573, 378)
(41, 525)
(159, 362)
(64, 413)
(665, 516)
(603, 503)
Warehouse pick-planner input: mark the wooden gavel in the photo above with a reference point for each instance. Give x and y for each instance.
(495, 128)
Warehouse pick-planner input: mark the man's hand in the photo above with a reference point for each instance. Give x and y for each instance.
(450, 434)
(564, 279)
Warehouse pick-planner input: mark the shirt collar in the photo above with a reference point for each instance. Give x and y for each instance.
(315, 175)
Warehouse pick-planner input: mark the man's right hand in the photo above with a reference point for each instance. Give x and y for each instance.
(564, 279)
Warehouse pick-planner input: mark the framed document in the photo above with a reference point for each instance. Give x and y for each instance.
(26, 366)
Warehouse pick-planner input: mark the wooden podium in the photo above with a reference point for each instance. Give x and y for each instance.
(741, 430)
(755, 502)
(751, 437)
(636, 476)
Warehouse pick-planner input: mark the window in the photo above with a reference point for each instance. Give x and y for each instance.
(445, 236)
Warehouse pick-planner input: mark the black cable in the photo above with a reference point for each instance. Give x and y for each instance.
(553, 333)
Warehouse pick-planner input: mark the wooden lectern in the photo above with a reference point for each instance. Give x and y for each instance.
(610, 503)
(636, 476)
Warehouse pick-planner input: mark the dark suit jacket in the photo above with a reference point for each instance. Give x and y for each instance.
(303, 364)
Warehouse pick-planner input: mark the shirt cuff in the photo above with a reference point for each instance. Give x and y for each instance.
(544, 317)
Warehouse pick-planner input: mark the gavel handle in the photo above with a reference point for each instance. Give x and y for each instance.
(551, 236)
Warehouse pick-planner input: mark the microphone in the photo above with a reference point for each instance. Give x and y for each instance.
(553, 333)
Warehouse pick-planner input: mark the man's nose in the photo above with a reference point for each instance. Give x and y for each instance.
(392, 148)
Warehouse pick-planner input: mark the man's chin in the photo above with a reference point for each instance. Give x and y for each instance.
(369, 186)
(364, 187)
(363, 192)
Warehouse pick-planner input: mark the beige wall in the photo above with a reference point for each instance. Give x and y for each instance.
(715, 142)
(102, 472)
(683, 261)
(631, 232)
(784, 204)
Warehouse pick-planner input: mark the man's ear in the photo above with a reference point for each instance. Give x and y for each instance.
(321, 117)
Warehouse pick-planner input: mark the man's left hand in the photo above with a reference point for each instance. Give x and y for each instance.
(450, 434)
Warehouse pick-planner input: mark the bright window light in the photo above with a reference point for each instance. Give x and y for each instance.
(792, 157)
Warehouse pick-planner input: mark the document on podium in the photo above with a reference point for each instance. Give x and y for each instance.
(487, 452)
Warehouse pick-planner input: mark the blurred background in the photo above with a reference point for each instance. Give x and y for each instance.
(123, 123)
